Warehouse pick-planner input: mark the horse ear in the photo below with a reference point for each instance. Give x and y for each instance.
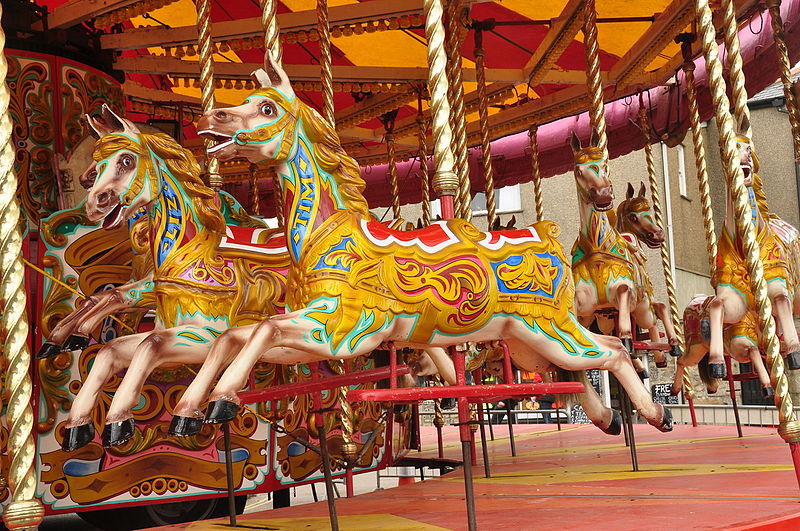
(576, 142)
(595, 138)
(642, 190)
(744, 127)
(629, 193)
(108, 122)
(512, 222)
(93, 126)
(273, 75)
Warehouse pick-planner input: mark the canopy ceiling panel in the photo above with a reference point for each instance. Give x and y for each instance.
(534, 57)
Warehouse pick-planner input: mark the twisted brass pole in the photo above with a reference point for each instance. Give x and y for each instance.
(536, 172)
(395, 191)
(595, 83)
(735, 75)
(255, 199)
(277, 193)
(483, 119)
(325, 60)
(789, 427)
(445, 182)
(423, 163)
(658, 218)
(207, 80)
(24, 511)
(778, 35)
(458, 116)
(272, 33)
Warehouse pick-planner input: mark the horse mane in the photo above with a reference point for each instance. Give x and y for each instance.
(633, 204)
(179, 162)
(332, 158)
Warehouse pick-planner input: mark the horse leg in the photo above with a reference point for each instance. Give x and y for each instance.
(608, 420)
(716, 357)
(158, 348)
(188, 415)
(444, 364)
(110, 359)
(761, 371)
(65, 335)
(782, 312)
(664, 315)
(622, 299)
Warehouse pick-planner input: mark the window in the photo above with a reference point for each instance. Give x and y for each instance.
(681, 152)
(508, 199)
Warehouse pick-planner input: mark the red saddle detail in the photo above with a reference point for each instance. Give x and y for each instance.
(510, 234)
(431, 235)
(254, 238)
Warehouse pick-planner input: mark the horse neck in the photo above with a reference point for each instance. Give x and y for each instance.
(173, 222)
(755, 213)
(310, 194)
(595, 226)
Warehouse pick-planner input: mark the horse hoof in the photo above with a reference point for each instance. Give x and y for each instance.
(74, 343)
(220, 411)
(118, 433)
(661, 364)
(185, 426)
(793, 361)
(615, 428)
(77, 437)
(399, 409)
(448, 403)
(675, 351)
(768, 392)
(628, 344)
(717, 370)
(643, 375)
(48, 350)
(666, 421)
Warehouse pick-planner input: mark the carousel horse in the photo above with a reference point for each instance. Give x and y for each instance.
(608, 268)
(741, 342)
(204, 281)
(634, 216)
(354, 284)
(780, 256)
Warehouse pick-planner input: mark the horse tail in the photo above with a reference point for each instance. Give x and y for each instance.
(705, 372)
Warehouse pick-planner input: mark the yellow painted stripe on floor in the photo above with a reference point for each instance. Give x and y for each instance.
(611, 472)
(363, 522)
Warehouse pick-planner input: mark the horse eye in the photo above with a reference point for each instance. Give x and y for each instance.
(127, 160)
(267, 109)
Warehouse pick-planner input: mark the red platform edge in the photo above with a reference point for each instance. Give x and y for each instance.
(790, 522)
(413, 394)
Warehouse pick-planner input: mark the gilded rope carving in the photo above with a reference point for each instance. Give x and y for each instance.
(325, 60)
(453, 42)
(25, 511)
(596, 105)
(423, 168)
(272, 33)
(736, 76)
(789, 426)
(483, 117)
(395, 190)
(536, 173)
(206, 62)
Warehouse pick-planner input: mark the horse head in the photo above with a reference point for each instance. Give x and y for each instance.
(747, 157)
(121, 183)
(591, 174)
(261, 128)
(634, 215)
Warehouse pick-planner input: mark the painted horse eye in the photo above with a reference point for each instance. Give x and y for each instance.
(127, 160)
(267, 109)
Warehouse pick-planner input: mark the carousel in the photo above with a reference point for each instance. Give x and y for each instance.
(243, 244)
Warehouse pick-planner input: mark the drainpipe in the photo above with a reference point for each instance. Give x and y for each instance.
(668, 209)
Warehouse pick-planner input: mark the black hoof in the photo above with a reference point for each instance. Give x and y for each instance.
(185, 426)
(615, 428)
(643, 375)
(717, 370)
(628, 344)
(74, 343)
(666, 421)
(77, 437)
(768, 392)
(220, 411)
(118, 433)
(48, 350)
(793, 361)
(448, 403)
(675, 351)
(399, 409)
(661, 364)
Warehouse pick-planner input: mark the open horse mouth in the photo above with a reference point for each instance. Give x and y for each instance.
(603, 206)
(113, 218)
(224, 141)
(653, 243)
(747, 170)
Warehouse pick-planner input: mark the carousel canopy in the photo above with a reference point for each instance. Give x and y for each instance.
(534, 56)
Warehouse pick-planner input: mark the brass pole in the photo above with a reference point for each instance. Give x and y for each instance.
(207, 81)
(325, 60)
(596, 105)
(536, 172)
(458, 118)
(658, 218)
(778, 35)
(272, 45)
(395, 191)
(24, 511)
(735, 75)
(423, 162)
(277, 193)
(789, 427)
(445, 182)
(255, 199)
(483, 118)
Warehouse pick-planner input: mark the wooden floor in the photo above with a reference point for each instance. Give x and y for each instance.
(579, 478)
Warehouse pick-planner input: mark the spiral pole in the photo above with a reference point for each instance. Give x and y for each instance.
(779, 36)
(595, 83)
(325, 60)
(483, 119)
(24, 511)
(255, 199)
(789, 427)
(658, 218)
(735, 75)
(458, 117)
(393, 187)
(536, 172)
(272, 33)
(445, 182)
(423, 162)
(206, 62)
(277, 194)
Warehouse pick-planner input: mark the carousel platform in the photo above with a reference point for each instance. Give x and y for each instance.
(579, 478)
